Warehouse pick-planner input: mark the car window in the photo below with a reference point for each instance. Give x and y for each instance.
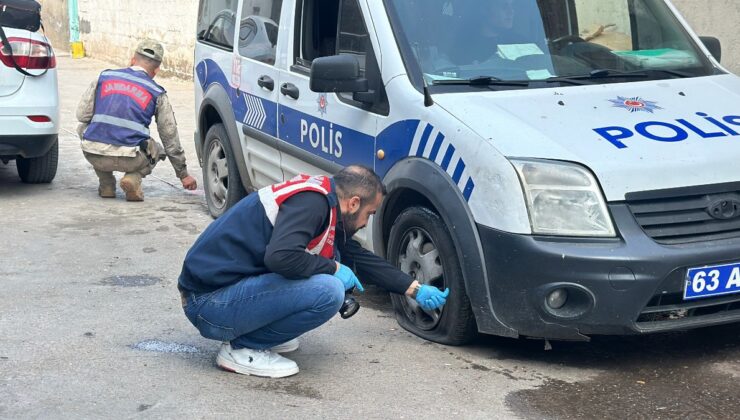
(316, 30)
(330, 27)
(336, 27)
(258, 29)
(216, 22)
(352, 38)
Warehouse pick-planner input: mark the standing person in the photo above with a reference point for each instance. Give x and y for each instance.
(115, 113)
(278, 263)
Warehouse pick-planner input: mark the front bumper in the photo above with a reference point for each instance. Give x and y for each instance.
(12, 147)
(626, 285)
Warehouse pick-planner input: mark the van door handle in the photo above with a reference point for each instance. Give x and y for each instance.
(266, 82)
(291, 90)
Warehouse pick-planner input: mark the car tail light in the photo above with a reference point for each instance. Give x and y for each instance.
(29, 54)
(39, 118)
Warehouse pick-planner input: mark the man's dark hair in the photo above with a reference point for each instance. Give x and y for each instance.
(357, 180)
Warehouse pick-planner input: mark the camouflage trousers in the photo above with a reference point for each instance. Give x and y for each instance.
(139, 166)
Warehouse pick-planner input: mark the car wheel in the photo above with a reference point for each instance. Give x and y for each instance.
(39, 170)
(223, 186)
(421, 246)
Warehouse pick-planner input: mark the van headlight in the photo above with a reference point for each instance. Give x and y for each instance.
(563, 199)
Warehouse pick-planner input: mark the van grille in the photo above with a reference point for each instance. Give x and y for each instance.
(672, 308)
(688, 215)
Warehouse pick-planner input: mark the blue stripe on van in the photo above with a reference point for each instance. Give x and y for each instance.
(448, 157)
(424, 140)
(468, 189)
(437, 145)
(458, 171)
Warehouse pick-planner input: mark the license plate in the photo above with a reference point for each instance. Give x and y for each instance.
(712, 281)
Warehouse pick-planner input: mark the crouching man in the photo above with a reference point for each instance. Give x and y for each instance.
(269, 269)
(115, 113)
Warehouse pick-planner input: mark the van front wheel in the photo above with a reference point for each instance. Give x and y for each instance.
(223, 186)
(421, 246)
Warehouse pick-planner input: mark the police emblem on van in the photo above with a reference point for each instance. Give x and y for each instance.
(322, 103)
(635, 104)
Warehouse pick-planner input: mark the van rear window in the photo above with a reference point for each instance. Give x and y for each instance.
(217, 22)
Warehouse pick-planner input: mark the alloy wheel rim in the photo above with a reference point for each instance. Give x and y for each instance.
(419, 257)
(218, 175)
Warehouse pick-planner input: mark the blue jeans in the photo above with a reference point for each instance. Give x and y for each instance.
(263, 311)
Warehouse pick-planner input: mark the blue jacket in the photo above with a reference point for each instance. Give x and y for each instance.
(242, 243)
(125, 103)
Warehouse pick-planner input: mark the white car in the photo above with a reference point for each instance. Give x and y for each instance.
(258, 38)
(29, 106)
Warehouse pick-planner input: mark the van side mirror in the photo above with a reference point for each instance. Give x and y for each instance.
(713, 45)
(337, 73)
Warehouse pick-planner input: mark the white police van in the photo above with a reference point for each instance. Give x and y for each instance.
(567, 167)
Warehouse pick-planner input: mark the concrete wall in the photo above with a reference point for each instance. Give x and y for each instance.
(716, 18)
(56, 23)
(111, 28)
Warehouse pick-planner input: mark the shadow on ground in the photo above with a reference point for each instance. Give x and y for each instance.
(661, 376)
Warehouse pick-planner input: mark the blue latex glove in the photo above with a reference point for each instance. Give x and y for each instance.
(430, 298)
(348, 278)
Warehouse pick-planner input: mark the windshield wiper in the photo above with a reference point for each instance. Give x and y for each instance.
(640, 73)
(587, 79)
(617, 74)
(580, 79)
(481, 81)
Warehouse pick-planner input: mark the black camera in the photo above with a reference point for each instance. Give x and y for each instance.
(350, 306)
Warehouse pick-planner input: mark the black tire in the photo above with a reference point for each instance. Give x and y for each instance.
(39, 170)
(222, 184)
(421, 245)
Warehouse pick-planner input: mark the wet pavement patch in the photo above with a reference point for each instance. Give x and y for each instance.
(187, 227)
(159, 346)
(290, 388)
(131, 281)
(172, 210)
(666, 376)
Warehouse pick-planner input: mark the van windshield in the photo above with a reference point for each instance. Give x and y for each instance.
(532, 43)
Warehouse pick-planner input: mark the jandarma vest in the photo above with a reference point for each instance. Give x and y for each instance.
(272, 197)
(125, 102)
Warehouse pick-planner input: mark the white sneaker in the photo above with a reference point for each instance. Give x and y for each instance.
(255, 362)
(287, 347)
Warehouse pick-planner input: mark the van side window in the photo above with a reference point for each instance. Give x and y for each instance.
(336, 27)
(258, 30)
(216, 22)
(316, 30)
(353, 38)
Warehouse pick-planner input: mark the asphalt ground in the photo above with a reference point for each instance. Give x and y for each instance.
(91, 326)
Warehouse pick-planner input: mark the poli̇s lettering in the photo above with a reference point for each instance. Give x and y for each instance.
(706, 127)
(322, 138)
